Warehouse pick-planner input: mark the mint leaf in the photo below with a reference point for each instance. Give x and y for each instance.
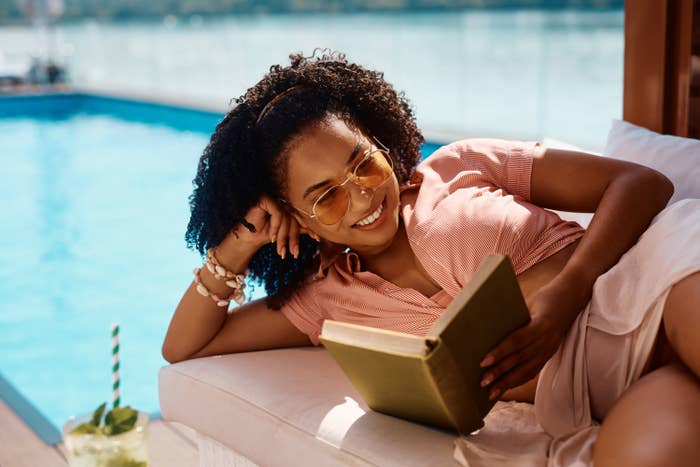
(85, 429)
(119, 420)
(97, 414)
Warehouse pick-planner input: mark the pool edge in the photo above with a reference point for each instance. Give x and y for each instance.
(35, 418)
(28, 413)
(203, 107)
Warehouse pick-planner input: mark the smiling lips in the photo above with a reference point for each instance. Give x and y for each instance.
(372, 217)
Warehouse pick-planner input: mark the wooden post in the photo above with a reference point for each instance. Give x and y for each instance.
(657, 73)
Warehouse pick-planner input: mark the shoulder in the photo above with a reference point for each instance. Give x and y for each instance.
(465, 170)
(474, 150)
(495, 162)
(473, 158)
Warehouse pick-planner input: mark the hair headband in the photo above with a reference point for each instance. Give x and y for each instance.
(275, 100)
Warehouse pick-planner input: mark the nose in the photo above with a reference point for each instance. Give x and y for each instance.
(360, 197)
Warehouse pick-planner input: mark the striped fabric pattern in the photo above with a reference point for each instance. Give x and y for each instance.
(471, 198)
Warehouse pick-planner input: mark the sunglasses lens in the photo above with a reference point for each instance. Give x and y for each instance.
(332, 206)
(374, 170)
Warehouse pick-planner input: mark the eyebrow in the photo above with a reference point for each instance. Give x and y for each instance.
(316, 186)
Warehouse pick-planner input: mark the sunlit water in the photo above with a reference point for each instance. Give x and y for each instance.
(516, 74)
(94, 215)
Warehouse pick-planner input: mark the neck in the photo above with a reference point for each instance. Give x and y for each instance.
(397, 256)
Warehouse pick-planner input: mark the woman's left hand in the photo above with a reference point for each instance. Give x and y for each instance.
(520, 356)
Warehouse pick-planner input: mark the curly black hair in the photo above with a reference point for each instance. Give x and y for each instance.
(245, 158)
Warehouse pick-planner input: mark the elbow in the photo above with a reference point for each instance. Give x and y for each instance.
(167, 354)
(665, 187)
(668, 186)
(170, 355)
(659, 185)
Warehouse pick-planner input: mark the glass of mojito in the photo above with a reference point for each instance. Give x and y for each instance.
(120, 441)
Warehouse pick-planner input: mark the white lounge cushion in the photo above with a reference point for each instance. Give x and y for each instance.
(293, 406)
(677, 158)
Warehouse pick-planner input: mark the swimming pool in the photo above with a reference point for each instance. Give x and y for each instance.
(94, 196)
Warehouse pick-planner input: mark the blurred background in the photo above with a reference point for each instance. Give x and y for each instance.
(94, 190)
(510, 68)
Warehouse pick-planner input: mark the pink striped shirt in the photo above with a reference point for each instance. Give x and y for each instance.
(467, 200)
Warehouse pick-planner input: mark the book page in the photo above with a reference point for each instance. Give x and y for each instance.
(374, 338)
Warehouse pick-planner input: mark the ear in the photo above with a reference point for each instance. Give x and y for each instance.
(301, 220)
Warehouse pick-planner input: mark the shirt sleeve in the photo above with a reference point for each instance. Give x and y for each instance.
(506, 164)
(303, 312)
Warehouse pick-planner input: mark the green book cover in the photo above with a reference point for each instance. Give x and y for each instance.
(434, 379)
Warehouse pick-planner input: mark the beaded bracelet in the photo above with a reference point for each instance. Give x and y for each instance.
(237, 294)
(233, 280)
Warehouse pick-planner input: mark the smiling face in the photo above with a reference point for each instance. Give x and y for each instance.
(322, 156)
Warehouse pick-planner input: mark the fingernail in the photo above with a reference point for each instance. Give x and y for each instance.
(284, 253)
(486, 381)
(272, 239)
(295, 251)
(487, 361)
(494, 394)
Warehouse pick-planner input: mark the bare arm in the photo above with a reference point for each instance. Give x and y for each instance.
(625, 198)
(199, 327)
(252, 326)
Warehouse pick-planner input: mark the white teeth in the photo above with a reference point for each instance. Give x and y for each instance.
(372, 217)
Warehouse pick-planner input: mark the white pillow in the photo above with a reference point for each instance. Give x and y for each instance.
(677, 158)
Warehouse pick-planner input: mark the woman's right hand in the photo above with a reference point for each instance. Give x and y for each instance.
(271, 224)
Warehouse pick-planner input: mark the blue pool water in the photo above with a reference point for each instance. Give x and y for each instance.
(93, 193)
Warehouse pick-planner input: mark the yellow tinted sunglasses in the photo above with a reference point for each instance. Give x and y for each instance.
(370, 172)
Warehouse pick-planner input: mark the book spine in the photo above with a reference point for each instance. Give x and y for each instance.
(447, 420)
(460, 404)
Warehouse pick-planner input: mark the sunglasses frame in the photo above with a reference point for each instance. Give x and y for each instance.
(351, 177)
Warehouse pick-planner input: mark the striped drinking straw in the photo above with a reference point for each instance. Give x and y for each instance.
(115, 365)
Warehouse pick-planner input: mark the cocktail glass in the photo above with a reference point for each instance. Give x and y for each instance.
(128, 449)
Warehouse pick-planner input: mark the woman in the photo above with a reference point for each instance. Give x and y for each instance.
(310, 184)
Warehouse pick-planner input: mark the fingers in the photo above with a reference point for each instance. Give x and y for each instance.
(519, 375)
(283, 228)
(282, 236)
(506, 364)
(276, 216)
(512, 343)
(503, 366)
(294, 232)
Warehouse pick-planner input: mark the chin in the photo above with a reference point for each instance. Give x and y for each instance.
(381, 233)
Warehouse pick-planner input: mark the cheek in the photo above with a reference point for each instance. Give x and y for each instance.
(393, 193)
(330, 232)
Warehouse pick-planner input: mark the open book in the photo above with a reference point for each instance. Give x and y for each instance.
(434, 379)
